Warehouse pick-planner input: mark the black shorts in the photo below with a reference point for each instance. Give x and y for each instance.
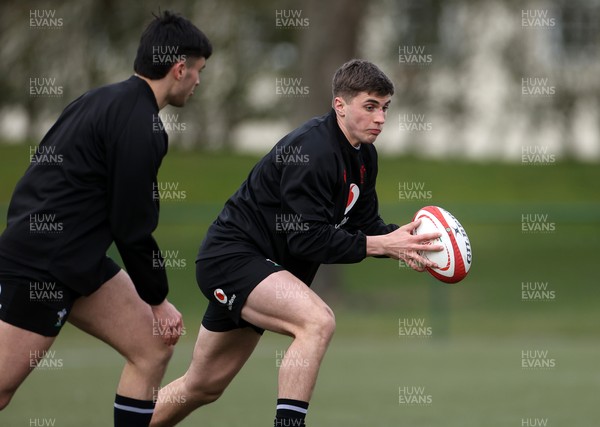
(33, 300)
(227, 281)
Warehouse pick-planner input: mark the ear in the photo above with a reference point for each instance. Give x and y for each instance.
(178, 70)
(339, 105)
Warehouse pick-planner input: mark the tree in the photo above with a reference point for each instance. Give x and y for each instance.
(330, 40)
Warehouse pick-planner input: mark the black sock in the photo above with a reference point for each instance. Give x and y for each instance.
(132, 412)
(290, 413)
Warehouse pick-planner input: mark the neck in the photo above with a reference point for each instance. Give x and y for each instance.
(158, 89)
(355, 143)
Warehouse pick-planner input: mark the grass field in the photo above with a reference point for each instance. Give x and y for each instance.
(470, 381)
(466, 364)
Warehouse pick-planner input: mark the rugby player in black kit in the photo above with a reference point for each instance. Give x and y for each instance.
(310, 201)
(68, 208)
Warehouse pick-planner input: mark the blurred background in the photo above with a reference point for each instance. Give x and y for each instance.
(486, 77)
(495, 118)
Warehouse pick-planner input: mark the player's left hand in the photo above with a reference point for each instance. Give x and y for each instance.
(171, 320)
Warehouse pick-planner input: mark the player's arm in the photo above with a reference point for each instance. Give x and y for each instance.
(387, 240)
(309, 191)
(133, 163)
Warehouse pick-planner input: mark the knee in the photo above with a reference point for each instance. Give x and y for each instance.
(153, 360)
(322, 324)
(202, 393)
(161, 357)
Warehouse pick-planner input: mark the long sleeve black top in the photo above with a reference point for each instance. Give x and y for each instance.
(311, 200)
(90, 183)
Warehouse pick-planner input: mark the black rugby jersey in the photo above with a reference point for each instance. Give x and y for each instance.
(311, 200)
(90, 183)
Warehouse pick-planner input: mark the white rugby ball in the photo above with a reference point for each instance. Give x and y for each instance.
(454, 261)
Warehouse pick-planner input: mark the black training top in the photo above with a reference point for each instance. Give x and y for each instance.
(91, 182)
(310, 201)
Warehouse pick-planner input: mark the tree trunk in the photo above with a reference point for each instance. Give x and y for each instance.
(330, 40)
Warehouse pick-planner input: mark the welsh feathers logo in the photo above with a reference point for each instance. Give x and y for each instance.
(353, 194)
(220, 296)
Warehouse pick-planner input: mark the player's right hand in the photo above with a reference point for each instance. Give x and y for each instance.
(401, 244)
(171, 321)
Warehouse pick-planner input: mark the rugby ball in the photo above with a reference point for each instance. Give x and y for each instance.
(455, 260)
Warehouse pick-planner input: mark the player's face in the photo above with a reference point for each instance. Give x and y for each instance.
(189, 73)
(362, 117)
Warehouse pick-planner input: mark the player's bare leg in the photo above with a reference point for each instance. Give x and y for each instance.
(282, 303)
(217, 358)
(116, 315)
(20, 351)
(300, 313)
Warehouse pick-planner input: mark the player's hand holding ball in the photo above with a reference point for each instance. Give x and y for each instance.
(403, 244)
(435, 241)
(411, 247)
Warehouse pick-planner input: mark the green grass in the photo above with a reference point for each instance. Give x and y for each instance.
(471, 363)
(472, 382)
(209, 177)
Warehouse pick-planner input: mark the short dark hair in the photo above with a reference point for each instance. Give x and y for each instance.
(358, 75)
(168, 39)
